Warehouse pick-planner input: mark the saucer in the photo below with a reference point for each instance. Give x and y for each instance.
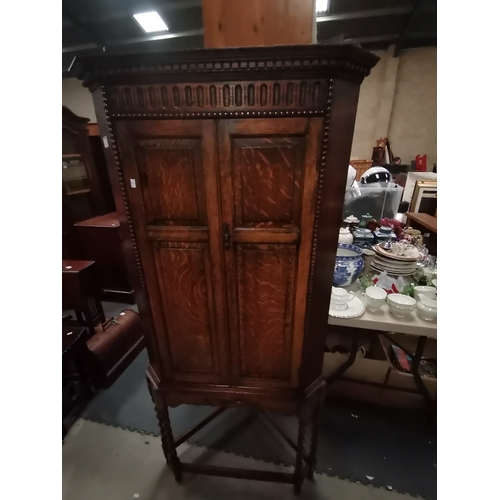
(354, 309)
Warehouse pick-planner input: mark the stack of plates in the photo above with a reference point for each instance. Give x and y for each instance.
(385, 260)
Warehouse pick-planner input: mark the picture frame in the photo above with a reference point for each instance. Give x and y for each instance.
(411, 180)
(424, 199)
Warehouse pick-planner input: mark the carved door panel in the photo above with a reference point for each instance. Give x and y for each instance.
(268, 174)
(171, 177)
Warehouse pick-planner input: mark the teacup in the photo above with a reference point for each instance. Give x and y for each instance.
(428, 291)
(340, 297)
(375, 296)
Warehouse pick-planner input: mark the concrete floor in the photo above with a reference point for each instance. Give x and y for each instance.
(103, 462)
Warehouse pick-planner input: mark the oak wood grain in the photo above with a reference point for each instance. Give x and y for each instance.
(181, 255)
(171, 173)
(182, 273)
(265, 296)
(262, 165)
(306, 227)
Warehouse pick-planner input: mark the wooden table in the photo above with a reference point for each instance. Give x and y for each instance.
(425, 220)
(99, 239)
(425, 223)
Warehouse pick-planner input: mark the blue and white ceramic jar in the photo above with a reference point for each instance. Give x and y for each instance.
(384, 233)
(363, 238)
(348, 264)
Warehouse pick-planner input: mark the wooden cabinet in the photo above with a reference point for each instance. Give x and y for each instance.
(86, 190)
(229, 169)
(224, 212)
(99, 239)
(81, 185)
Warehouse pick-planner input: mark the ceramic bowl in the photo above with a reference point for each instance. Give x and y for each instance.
(400, 305)
(427, 308)
(348, 264)
(374, 296)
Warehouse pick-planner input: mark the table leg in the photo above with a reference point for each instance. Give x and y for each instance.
(314, 436)
(415, 366)
(350, 361)
(298, 476)
(168, 438)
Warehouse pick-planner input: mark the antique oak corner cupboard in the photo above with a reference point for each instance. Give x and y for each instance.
(229, 169)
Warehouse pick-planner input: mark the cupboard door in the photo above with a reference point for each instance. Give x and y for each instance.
(268, 170)
(173, 187)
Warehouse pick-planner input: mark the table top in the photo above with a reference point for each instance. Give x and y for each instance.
(383, 320)
(107, 220)
(75, 266)
(426, 220)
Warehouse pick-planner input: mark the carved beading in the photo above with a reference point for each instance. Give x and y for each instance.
(219, 114)
(319, 196)
(123, 189)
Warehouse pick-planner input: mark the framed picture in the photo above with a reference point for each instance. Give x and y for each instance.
(424, 199)
(411, 180)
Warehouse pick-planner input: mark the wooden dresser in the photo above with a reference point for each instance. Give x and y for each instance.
(99, 239)
(229, 169)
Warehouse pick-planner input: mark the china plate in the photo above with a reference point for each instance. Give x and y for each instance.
(394, 267)
(395, 273)
(393, 262)
(390, 255)
(354, 309)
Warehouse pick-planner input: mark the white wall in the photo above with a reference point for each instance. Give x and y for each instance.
(78, 99)
(413, 127)
(407, 89)
(366, 117)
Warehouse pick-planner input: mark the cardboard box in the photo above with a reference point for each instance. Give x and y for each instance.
(374, 367)
(379, 395)
(403, 380)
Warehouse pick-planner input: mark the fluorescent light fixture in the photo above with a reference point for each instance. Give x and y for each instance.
(151, 22)
(321, 6)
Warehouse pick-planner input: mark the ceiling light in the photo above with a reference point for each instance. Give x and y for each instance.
(321, 6)
(151, 22)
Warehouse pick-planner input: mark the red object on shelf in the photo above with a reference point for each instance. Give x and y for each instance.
(421, 163)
